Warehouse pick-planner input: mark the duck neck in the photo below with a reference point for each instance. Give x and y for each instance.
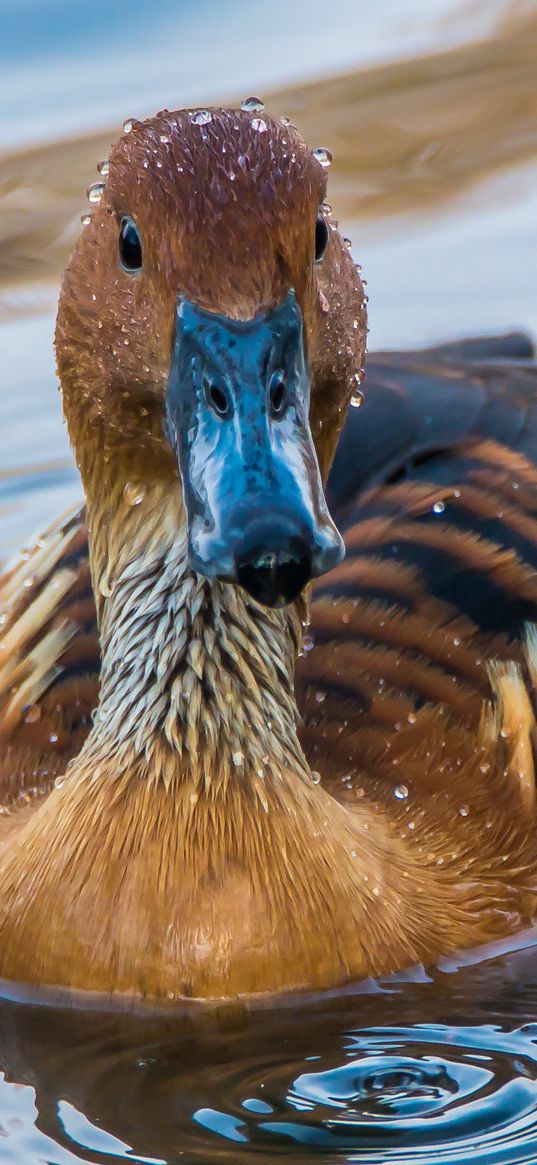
(197, 680)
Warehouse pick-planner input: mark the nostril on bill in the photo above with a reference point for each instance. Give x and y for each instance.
(278, 396)
(218, 398)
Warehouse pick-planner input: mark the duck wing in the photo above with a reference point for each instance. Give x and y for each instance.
(49, 659)
(434, 487)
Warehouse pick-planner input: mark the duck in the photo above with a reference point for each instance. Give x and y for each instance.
(235, 761)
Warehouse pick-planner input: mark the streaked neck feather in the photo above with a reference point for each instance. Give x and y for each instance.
(197, 679)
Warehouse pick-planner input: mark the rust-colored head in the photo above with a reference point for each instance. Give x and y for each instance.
(211, 212)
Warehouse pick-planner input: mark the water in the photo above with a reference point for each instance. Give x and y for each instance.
(431, 118)
(442, 1064)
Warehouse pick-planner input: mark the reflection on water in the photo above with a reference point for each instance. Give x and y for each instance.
(432, 120)
(396, 1072)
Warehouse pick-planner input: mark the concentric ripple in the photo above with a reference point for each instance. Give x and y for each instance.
(397, 1095)
(231, 1086)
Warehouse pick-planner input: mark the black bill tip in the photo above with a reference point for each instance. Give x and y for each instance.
(274, 577)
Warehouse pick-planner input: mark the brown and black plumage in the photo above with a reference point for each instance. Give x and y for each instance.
(233, 824)
(439, 512)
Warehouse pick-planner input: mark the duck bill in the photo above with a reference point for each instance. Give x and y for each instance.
(237, 415)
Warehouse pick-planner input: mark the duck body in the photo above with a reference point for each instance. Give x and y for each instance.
(237, 820)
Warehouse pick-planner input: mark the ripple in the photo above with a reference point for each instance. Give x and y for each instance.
(396, 1095)
(226, 1085)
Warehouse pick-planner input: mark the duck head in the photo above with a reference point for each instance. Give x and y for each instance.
(210, 331)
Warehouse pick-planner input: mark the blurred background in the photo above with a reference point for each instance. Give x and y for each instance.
(429, 108)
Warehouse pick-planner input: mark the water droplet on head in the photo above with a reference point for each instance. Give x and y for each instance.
(253, 105)
(238, 759)
(202, 117)
(400, 792)
(439, 507)
(285, 120)
(164, 139)
(259, 125)
(320, 697)
(103, 167)
(464, 811)
(95, 192)
(133, 493)
(308, 643)
(322, 156)
(316, 778)
(130, 124)
(53, 738)
(85, 219)
(59, 782)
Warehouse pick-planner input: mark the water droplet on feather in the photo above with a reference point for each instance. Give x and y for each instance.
(133, 493)
(322, 156)
(95, 192)
(252, 105)
(31, 713)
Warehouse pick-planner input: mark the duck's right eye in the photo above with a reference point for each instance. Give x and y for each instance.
(130, 246)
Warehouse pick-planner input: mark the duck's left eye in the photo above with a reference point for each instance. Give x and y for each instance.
(321, 238)
(130, 246)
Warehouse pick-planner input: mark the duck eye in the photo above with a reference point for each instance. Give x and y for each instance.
(130, 246)
(321, 238)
